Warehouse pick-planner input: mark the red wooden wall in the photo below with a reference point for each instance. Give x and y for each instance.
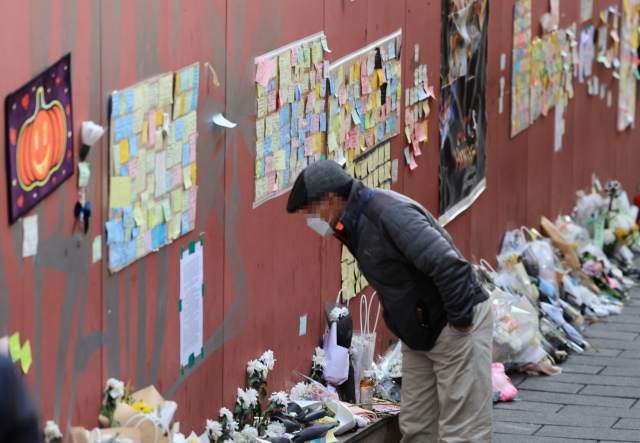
(264, 268)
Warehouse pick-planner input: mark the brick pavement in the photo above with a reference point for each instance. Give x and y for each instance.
(595, 399)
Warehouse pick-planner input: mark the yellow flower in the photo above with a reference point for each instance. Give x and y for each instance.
(143, 407)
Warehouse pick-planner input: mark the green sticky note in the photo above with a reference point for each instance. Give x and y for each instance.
(152, 219)
(14, 347)
(83, 174)
(127, 229)
(166, 209)
(97, 248)
(177, 200)
(259, 88)
(25, 358)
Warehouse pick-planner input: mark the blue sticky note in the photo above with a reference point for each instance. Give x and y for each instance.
(284, 116)
(169, 178)
(323, 122)
(393, 102)
(116, 101)
(185, 155)
(133, 146)
(406, 155)
(297, 92)
(301, 151)
(267, 145)
(262, 168)
(128, 100)
(283, 139)
(117, 256)
(380, 131)
(124, 127)
(124, 170)
(308, 118)
(391, 49)
(271, 85)
(294, 127)
(387, 126)
(185, 223)
(196, 77)
(351, 98)
(332, 84)
(194, 99)
(135, 231)
(184, 80)
(421, 94)
(179, 129)
(115, 231)
(394, 84)
(393, 122)
(362, 122)
(159, 235)
(286, 177)
(388, 70)
(131, 251)
(127, 213)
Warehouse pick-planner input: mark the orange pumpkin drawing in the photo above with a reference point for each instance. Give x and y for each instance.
(41, 143)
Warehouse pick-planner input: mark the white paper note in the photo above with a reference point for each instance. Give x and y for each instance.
(30, 240)
(191, 293)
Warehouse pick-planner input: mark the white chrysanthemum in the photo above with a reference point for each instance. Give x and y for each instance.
(299, 391)
(250, 433)
(115, 389)
(319, 361)
(224, 412)
(252, 367)
(279, 398)
(51, 431)
(214, 429)
(319, 351)
(262, 368)
(233, 429)
(268, 360)
(275, 429)
(251, 397)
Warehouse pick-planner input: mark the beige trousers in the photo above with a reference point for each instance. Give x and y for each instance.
(446, 392)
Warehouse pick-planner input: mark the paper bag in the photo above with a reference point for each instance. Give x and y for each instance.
(560, 242)
(153, 429)
(124, 435)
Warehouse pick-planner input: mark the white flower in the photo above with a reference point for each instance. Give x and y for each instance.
(262, 368)
(224, 412)
(235, 426)
(214, 429)
(250, 433)
(115, 389)
(338, 313)
(279, 399)
(318, 361)
(319, 351)
(268, 360)
(275, 429)
(51, 431)
(300, 391)
(247, 399)
(251, 367)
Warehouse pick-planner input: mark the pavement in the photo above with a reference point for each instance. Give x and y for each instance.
(596, 398)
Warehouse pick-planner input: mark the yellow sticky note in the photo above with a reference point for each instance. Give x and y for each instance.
(177, 200)
(140, 246)
(159, 117)
(14, 347)
(137, 215)
(124, 151)
(317, 91)
(374, 82)
(119, 192)
(145, 132)
(178, 75)
(356, 69)
(193, 172)
(152, 219)
(380, 76)
(351, 156)
(279, 161)
(258, 168)
(182, 104)
(426, 129)
(319, 142)
(122, 104)
(25, 357)
(174, 227)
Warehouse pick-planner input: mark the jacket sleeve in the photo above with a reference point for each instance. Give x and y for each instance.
(430, 252)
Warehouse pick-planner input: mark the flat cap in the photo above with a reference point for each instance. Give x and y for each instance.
(315, 181)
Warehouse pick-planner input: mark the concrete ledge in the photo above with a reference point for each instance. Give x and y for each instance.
(386, 430)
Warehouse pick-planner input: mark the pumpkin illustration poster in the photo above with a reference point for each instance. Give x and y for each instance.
(39, 137)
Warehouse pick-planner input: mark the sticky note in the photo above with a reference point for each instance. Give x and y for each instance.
(152, 128)
(179, 127)
(115, 231)
(193, 173)
(159, 117)
(14, 347)
(84, 173)
(177, 200)
(25, 357)
(96, 248)
(119, 192)
(193, 195)
(159, 236)
(166, 209)
(263, 71)
(303, 325)
(145, 132)
(185, 223)
(192, 148)
(152, 219)
(186, 176)
(185, 155)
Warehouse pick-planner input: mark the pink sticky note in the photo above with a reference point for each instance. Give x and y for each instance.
(311, 103)
(271, 105)
(152, 128)
(273, 186)
(364, 83)
(347, 121)
(342, 99)
(268, 163)
(408, 116)
(193, 196)
(176, 174)
(383, 113)
(295, 143)
(319, 66)
(308, 149)
(133, 168)
(320, 105)
(412, 161)
(388, 106)
(264, 71)
(280, 95)
(294, 56)
(419, 132)
(315, 124)
(302, 122)
(397, 111)
(147, 240)
(415, 144)
(430, 92)
(363, 68)
(317, 156)
(192, 148)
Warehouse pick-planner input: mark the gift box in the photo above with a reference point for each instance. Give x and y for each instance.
(121, 435)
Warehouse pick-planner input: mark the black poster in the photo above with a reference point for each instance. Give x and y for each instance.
(463, 122)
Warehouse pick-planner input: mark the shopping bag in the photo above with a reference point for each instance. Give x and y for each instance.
(336, 358)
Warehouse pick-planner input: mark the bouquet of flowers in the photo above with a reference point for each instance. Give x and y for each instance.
(52, 432)
(114, 393)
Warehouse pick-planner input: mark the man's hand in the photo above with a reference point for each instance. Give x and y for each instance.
(466, 330)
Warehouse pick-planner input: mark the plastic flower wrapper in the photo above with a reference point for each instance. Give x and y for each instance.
(387, 373)
(341, 315)
(514, 326)
(538, 260)
(115, 392)
(303, 388)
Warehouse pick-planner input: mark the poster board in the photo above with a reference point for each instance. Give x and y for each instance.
(152, 191)
(463, 121)
(628, 69)
(364, 107)
(290, 116)
(521, 72)
(373, 167)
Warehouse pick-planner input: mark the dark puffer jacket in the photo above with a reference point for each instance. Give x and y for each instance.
(422, 280)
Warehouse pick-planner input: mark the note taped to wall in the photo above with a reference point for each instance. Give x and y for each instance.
(190, 305)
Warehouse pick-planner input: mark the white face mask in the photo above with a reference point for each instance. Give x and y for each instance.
(320, 226)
